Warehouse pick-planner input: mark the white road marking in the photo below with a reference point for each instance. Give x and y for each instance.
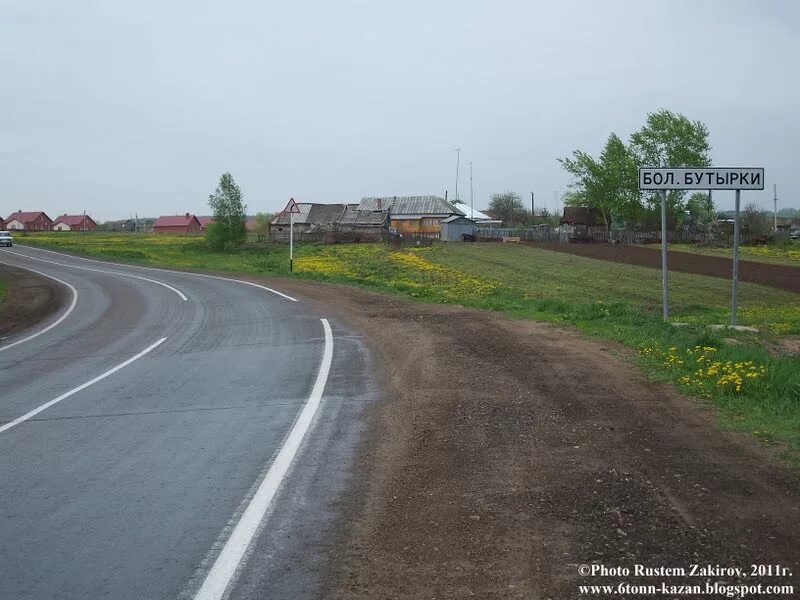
(104, 262)
(161, 283)
(232, 554)
(58, 321)
(83, 386)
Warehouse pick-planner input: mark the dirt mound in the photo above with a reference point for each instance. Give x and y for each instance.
(31, 298)
(506, 453)
(777, 276)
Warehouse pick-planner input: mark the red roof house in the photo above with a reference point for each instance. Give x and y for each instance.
(204, 222)
(2, 224)
(74, 223)
(29, 221)
(177, 224)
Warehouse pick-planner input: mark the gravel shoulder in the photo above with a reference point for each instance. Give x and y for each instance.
(505, 453)
(31, 298)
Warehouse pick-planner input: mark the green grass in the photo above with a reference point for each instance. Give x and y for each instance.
(786, 254)
(3, 289)
(602, 299)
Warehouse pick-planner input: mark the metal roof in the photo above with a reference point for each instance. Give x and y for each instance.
(455, 218)
(410, 205)
(474, 214)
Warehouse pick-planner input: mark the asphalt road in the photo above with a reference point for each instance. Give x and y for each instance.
(172, 436)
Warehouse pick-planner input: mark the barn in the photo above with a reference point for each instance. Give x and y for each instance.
(185, 224)
(74, 223)
(34, 220)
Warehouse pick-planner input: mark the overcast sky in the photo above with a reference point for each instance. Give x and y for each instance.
(124, 107)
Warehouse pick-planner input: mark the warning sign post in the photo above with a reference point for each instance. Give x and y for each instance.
(291, 209)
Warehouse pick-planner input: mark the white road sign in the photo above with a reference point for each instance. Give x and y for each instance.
(713, 178)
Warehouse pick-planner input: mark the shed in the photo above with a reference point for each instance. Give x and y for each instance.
(454, 228)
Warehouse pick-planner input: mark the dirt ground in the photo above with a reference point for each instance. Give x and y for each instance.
(506, 453)
(30, 299)
(778, 276)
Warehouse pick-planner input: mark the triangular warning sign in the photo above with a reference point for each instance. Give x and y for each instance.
(292, 208)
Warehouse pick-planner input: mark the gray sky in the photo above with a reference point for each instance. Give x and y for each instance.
(123, 107)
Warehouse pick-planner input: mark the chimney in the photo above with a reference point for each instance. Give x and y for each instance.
(187, 215)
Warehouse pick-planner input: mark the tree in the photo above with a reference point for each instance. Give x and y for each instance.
(754, 222)
(700, 207)
(670, 139)
(230, 214)
(262, 223)
(507, 206)
(607, 183)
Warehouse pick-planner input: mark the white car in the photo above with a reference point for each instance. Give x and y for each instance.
(6, 239)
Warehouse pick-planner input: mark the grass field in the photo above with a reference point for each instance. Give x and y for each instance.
(788, 254)
(757, 390)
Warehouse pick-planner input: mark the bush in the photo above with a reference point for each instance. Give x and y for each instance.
(218, 235)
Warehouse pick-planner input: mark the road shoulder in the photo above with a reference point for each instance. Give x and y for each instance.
(505, 453)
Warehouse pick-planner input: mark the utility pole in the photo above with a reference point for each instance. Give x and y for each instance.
(458, 163)
(532, 213)
(775, 209)
(471, 195)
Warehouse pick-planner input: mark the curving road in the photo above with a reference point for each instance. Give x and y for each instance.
(170, 435)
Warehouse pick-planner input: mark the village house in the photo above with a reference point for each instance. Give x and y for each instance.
(412, 215)
(310, 223)
(29, 221)
(185, 224)
(2, 224)
(74, 223)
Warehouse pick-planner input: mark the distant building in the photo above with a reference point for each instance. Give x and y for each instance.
(178, 224)
(2, 224)
(412, 215)
(29, 221)
(204, 221)
(74, 223)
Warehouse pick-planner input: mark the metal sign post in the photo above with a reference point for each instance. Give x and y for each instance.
(701, 178)
(735, 277)
(664, 269)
